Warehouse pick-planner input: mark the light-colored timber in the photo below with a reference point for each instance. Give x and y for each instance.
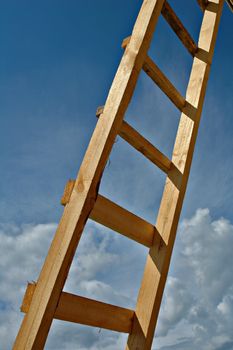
(179, 28)
(157, 265)
(73, 308)
(46, 300)
(118, 219)
(153, 71)
(163, 83)
(37, 322)
(132, 136)
(67, 192)
(121, 220)
(142, 145)
(125, 42)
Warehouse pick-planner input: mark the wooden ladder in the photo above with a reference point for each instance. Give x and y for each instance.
(46, 300)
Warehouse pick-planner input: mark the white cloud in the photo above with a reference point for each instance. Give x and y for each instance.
(204, 286)
(22, 250)
(197, 310)
(176, 306)
(22, 253)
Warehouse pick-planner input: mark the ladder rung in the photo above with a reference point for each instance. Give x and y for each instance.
(123, 221)
(160, 79)
(136, 140)
(202, 4)
(132, 136)
(163, 82)
(118, 219)
(179, 28)
(73, 308)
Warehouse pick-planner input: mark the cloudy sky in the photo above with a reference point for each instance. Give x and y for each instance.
(57, 61)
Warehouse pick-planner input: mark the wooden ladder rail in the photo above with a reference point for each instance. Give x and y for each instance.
(36, 323)
(157, 264)
(45, 300)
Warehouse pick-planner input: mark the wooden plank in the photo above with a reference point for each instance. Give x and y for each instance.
(67, 192)
(160, 79)
(129, 134)
(157, 265)
(142, 145)
(36, 324)
(118, 219)
(179, 28)
(123, 221)
(73, 308)
(163, 82)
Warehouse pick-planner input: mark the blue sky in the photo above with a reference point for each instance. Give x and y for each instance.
(57, 63)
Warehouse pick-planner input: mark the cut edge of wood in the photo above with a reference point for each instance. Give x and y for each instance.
(67, 192)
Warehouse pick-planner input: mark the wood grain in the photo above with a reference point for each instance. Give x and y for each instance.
(67, 192)
(179, 28)
(157, 265)
(163, 83)
(36, 324)
(118, 219)
(142, 145)
(160, 79)
(123, 221)
(77, 309)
